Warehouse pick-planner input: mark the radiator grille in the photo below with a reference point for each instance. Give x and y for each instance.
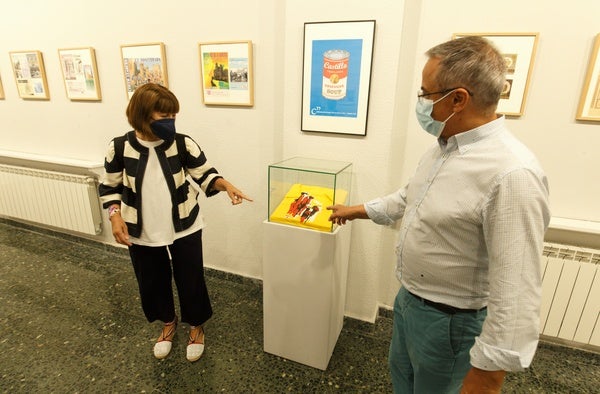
(56, 199)
(571, 294)
(571, 253)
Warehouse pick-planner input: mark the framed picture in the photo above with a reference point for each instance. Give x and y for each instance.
(144, 63)
(589, 103)
(336, 76)
(519, 53)
(80, 73)
(226, 73)
(30, 75)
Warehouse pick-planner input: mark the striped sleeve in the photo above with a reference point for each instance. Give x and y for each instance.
(198, 167)
(111, 185)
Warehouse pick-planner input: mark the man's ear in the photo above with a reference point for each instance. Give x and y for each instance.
(460, 98)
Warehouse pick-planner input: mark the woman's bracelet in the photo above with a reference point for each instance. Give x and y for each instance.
(113, 210)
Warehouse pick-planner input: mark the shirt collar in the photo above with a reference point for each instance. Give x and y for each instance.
(463, 141)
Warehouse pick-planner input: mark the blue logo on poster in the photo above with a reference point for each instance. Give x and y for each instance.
(335, 77)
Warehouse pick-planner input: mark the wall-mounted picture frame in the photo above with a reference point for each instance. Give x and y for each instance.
(30, 74)
(226, 73)
(80, 73)
(144, 63)
(336, 76)
(589, 102)
(1, 90)
(519, 53)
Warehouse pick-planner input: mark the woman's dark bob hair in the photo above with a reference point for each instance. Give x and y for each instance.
(146, 100)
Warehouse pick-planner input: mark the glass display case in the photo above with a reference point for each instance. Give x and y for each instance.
(300, 190)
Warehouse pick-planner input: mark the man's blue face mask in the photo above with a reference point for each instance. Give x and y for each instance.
(424, 108)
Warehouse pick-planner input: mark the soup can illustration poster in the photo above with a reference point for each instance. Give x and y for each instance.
(335, 77)
(335, 73)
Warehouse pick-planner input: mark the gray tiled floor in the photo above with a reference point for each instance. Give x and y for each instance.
(71, 323)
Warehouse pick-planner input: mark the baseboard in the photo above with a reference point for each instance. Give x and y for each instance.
(63, 235)
(385, 311)
(570, 344)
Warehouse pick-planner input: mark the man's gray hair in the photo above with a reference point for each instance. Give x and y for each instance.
(473, 63)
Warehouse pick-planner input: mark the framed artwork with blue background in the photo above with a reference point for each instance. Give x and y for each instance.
(336, 77)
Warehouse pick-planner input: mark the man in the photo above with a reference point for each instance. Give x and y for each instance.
(473, 221)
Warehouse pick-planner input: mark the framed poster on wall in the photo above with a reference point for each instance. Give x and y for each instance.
(144, 63)
(589, 102)
(30, 75)
(519, 53)
(80, 73)
(336, 76)
(226, 73)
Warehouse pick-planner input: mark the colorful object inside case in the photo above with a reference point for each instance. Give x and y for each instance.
(304, 206)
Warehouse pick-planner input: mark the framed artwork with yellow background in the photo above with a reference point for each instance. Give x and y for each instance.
(226, 73)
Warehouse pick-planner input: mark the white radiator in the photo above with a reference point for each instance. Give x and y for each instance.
(570, 307)
(56, 199)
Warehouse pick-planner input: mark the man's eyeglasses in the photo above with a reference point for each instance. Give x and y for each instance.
(421, 95)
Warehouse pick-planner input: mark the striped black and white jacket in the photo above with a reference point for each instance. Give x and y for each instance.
(124, 167)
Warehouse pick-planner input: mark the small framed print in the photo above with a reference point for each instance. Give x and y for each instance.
(518, 50)
(226, 73)
(30, 75)
(336, 76)
(144, 63)
(80, 73)
(589, 102)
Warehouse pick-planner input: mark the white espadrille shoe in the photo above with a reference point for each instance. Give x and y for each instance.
(163, 345)
(195, 346)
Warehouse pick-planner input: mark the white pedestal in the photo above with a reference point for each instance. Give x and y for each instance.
(304, 291)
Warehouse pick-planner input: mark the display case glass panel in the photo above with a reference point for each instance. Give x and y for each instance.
(300, 190)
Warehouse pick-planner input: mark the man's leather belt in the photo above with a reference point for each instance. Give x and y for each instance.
(447, 309)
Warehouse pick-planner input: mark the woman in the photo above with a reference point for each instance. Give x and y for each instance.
(153, 210)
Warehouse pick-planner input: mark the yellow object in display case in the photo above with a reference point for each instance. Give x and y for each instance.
(305, 206)
(301, 189)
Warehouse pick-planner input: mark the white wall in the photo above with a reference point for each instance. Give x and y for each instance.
(241, 142)
(565, 147)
